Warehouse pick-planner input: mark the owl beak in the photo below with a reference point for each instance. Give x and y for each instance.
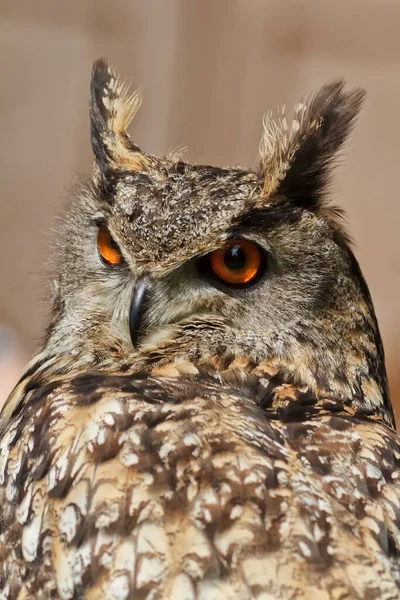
(138, 309)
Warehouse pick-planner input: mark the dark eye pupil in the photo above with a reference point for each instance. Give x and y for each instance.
(235, 258)
(113, 244)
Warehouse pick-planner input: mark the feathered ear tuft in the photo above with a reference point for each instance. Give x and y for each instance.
(112, 107)
(297, 161)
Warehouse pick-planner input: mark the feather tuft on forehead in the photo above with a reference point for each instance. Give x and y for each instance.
(296, 160)
(112, 107)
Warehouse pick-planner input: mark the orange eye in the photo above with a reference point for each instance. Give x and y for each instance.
(107, 247)
(238, 263)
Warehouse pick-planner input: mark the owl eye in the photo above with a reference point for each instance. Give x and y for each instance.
(239, 262)
(108, 249)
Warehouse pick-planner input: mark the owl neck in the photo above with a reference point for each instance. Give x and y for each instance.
(298, 386)
(286, 388)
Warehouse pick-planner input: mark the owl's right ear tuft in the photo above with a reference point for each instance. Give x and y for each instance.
(112, 107)
(297, 160)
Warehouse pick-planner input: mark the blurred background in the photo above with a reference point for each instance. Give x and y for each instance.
(209, 71)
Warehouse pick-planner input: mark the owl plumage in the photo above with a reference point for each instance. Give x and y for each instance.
(182, 438)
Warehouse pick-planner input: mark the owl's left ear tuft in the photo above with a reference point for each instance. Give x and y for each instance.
(297, 161)
(112, 107)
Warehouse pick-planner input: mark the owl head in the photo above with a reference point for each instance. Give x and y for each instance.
(180, 260)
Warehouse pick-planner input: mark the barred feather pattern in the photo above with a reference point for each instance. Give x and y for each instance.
(180, 486)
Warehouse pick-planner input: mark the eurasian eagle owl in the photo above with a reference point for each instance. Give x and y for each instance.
(209, 416)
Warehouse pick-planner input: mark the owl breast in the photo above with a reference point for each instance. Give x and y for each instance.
(179, 487)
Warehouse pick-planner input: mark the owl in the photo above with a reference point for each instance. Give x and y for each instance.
(208, 417)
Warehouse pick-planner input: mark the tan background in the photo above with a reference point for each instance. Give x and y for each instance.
(209, 70)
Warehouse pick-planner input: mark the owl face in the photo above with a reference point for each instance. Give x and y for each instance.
(201, 260)
(204, 252)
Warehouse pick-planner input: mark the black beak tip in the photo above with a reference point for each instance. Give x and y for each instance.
(137, 309)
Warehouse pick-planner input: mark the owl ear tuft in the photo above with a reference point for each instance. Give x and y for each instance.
(112, 107)
(297, 161)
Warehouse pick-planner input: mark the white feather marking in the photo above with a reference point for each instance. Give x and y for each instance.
(23, 509)
(68, 522)
(31, 537)
(181, 589)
